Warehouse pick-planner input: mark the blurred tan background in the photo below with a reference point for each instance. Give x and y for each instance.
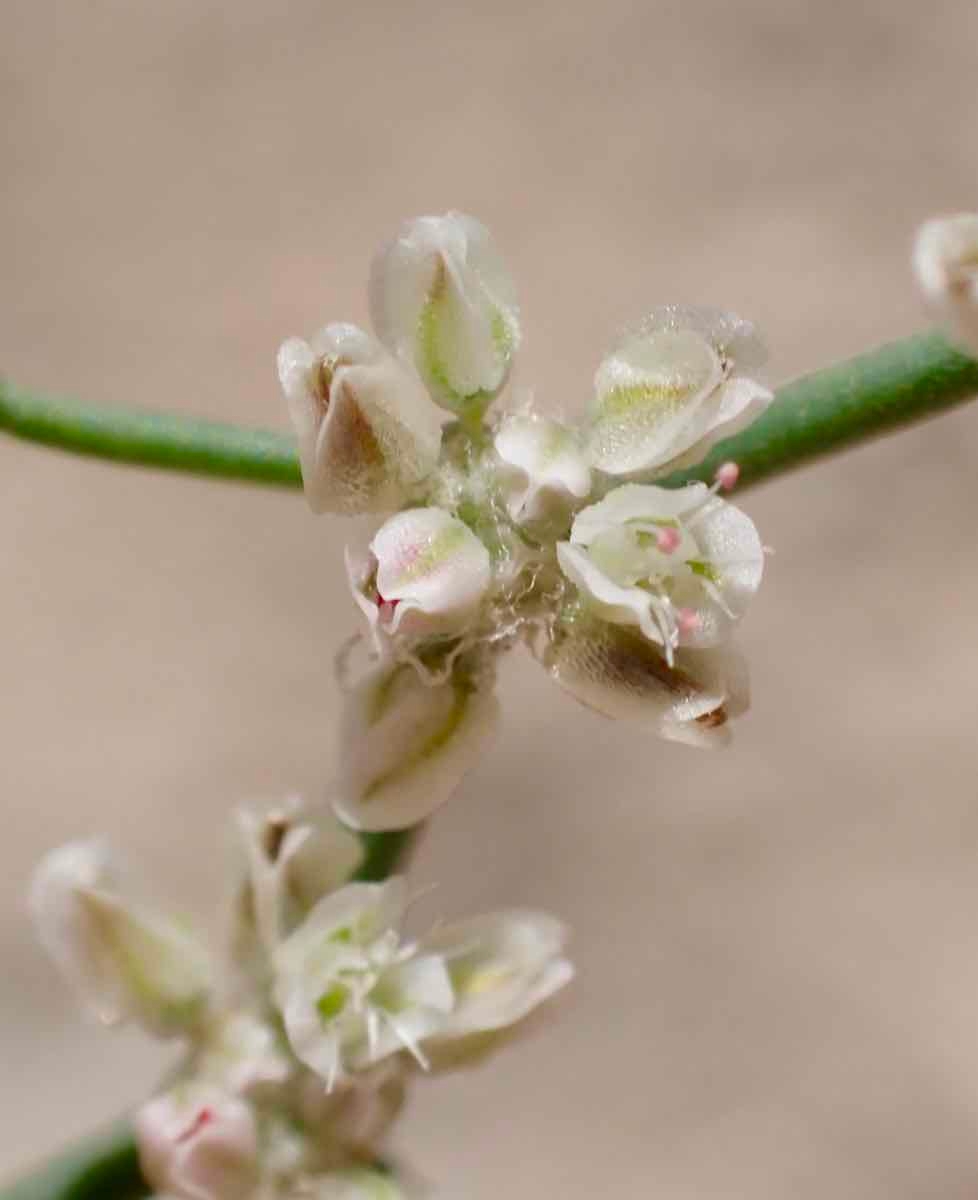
(778, 947)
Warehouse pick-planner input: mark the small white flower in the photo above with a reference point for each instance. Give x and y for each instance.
(293, 858)
(404, 744)
(442, 299)
(672, 389)
(125, 961)
(241, 1053)
(544, 470)
(425, 575)
(367, 432)
(198, 1143)
(681, 565)
(617, 672)
(946, 263)
(350, 994)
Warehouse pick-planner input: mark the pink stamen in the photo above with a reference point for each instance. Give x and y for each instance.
(667, 540)
(727, 475)
(687, 620)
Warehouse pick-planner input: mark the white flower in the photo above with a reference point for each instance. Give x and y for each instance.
(367, 432)
(681, 565)
(672, 389)
(442, 299)
(946, 263)
(544, 470)
(293, 858)
(242, 1053)
(618, 673)
(349, 993)
(424, 575)
(404, 744)
(198, 1143)
(125, 961)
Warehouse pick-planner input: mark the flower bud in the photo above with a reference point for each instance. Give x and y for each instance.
(425, 575)
(198, 1143)
(620, 674)
(543, 469)
(673, 388)
(442, 299)
(126, 962)
(680, 564)
(367, 432)
(946, 263)
(405, 744)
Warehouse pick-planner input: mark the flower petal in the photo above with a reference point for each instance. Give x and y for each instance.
(544, 467)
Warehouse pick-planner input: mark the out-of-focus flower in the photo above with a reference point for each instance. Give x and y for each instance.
(544, 471)
(355, 1183)
(293, 858)
(350, 994)
(681, 565)
(442, 299)
(126, 961)
(614, 670)
(673, 388)
(424, 575)
(198, 1143)
(945, 259)
(404, 744)
(357, 1113)
(367, 432)
(241, 1052)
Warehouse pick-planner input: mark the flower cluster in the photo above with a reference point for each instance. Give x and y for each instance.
(301, 1039)
(518, 528)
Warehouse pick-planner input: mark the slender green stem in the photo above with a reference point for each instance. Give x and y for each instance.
(816, 415)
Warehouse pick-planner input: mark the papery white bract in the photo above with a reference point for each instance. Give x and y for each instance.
(125, 961)
(442, 299)
(198, 1143)
(404, 744)
(672, 388)
(367, 432)
(680, 564)
(543, 470)
(424, 575)
(350, 995)
(945, 260)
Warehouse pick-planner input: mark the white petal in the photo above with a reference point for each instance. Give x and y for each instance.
(611, 601)
(502, 966)
(125, 961)
(547, 467)
(946, 264)
(404, 746)
(729, 541)
(372, 437)
(634, 501)
(739, 403)
(432, 565)
(441, 298)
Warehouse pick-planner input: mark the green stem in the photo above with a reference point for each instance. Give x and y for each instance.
(816, 415)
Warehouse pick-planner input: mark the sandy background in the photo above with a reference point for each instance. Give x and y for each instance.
(778, 947)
